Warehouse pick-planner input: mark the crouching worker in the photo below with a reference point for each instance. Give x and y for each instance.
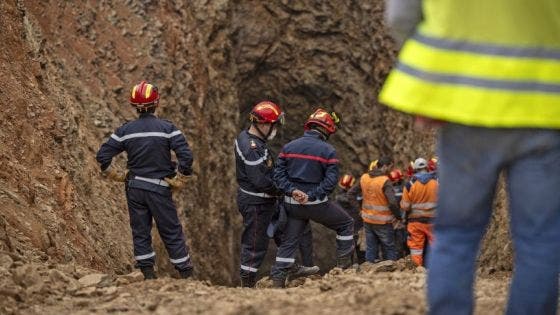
(151, 176)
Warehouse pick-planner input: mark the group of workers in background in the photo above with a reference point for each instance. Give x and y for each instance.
(392, 211)
(278, 199)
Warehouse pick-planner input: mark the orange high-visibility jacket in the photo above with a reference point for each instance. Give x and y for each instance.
(375, 206)
(420, 196)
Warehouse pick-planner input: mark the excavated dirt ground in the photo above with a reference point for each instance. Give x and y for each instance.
(370, 289)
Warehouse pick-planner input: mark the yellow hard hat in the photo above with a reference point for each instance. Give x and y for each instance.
(372, 165)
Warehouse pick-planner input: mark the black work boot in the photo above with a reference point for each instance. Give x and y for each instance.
(149, 273)
(248, 282)
(345, 261)
(278, 283)
(185, 274)
(299, 271)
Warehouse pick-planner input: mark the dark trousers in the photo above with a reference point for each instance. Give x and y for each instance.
(254, 240)
(328, 214)
(143, 205)
(400, 243)
(360, 255)
(305, 245)
(380, 234)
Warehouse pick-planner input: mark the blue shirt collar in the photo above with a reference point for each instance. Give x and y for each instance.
(314, 134)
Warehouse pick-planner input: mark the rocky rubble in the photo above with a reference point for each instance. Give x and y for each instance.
(382, 288)
(25, 284)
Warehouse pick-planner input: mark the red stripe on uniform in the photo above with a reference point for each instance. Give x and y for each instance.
(308, 157)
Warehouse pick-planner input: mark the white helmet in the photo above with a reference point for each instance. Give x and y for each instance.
(420, 163)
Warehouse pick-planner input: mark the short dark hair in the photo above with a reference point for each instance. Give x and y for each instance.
(385, 160)
(149, 110)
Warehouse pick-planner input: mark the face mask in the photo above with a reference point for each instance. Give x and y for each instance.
(272, 134)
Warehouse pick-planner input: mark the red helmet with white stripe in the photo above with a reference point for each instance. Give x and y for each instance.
(266, 112)
(324, 119)
(144, 96)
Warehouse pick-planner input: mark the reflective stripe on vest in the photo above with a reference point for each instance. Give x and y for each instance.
(422, 213)
(379, 218)
(502, 77)
(375, 208)
(424, 206)
(426, 209)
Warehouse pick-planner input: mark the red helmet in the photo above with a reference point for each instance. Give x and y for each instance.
(144, 96)
(410, 169)
(432, 164)
(346, 181)
(266, 112)
(396, 175)
(322, 118)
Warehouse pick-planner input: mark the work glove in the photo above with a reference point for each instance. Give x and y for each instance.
(114, 175)
(178, 182)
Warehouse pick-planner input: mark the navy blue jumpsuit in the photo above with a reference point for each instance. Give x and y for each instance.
(148, 142)
(309, 164)
(256, 199)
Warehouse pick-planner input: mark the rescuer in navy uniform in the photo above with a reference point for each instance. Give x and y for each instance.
(306, 173)
(257, 195)
(148, 142)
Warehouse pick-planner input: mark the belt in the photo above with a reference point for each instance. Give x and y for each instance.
(156, 181)
(262, 195)
(292, 201)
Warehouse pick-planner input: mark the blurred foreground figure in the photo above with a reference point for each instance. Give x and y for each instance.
(490, 69)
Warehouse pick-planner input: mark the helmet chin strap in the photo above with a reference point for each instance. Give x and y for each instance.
(262, 134)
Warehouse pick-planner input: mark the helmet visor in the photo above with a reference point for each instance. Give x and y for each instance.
(281, 119)
(335, 118)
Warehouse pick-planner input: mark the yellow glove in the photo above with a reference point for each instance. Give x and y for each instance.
(178, 182)
(114, 175)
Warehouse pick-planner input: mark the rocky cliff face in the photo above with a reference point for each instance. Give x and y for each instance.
(66, 71)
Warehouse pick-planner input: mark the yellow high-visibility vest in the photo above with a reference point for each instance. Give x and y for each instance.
(491, 63)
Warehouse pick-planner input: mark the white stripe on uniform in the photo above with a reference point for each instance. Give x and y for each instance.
(179, 260)
(250, 163)
(142, 257)
(247, 268)
(146, 134)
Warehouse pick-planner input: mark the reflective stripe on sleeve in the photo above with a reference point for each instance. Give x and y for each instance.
(416, 251)
(250, 163)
